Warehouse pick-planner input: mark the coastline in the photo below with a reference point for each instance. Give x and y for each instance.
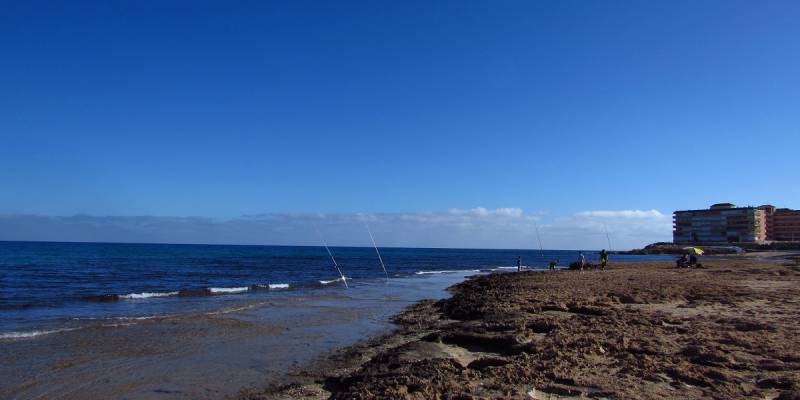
(253, 341)
(636, 331)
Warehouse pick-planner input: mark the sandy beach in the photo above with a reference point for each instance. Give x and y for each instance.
(727, 330)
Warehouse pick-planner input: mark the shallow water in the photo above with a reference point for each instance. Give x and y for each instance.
(207, 355)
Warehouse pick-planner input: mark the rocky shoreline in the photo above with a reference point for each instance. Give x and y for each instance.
(635, 331)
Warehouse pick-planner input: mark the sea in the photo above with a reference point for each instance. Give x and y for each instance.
(48, 287)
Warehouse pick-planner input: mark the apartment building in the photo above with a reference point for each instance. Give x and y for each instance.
(720, 224)
(783, 224)
(725, 223)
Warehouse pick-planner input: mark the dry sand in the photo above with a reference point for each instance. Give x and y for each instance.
(729, 330)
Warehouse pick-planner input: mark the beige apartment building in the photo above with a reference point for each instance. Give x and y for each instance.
(720, 224)
(725, 223)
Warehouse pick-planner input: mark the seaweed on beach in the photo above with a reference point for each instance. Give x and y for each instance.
(642, 331)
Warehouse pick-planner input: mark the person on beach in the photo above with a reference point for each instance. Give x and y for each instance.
(682, 261)
(553, 264)
(519, 263)
(603, 259)
(581, 260)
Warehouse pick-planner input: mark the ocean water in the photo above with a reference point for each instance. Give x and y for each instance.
(54, 287)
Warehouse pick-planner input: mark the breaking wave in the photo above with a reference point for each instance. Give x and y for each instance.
(271, 286)
(30, 334)
(147, 295)
(229, 289)
(446, 271)
(278, 285)
(334, 280)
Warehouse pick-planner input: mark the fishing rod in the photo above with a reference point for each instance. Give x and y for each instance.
(332, 258)
(376, 249)
(608, 238)
(539, 238)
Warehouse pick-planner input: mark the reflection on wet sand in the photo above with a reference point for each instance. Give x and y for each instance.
(204, 355)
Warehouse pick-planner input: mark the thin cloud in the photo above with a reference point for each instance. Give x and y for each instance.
(484, 213)
(624, 229)
(623, 214)
(471, 228)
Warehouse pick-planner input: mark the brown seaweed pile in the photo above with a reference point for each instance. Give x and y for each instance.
(644, 331)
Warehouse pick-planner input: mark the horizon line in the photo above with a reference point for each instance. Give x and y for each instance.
(292, 245)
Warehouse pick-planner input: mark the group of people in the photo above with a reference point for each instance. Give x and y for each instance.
(581, 262)
(686, 260)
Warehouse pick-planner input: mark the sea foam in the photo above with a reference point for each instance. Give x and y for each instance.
(333, 281)
(446, 271)
(271, 286)
(31, 334)
(229, 290)
(278, 285)
(147, 295)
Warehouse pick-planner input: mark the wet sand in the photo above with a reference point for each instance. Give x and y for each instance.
(729, 330)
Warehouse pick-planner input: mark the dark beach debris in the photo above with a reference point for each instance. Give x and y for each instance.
(642, 331)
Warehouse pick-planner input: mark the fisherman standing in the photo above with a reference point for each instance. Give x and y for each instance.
(581, 260)
(519, 263)
(553, 264)
(603, 259)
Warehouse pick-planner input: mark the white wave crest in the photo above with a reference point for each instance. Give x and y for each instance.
(278, 285)
(446, 271)
(272, 286)
(144, 317)
(30, 334)
(334, 280)
(229, 290)
(147, 295)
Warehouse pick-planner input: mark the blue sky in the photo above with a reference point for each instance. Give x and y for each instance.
(221, 110)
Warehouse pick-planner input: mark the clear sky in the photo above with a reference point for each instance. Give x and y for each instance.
(224, 109)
